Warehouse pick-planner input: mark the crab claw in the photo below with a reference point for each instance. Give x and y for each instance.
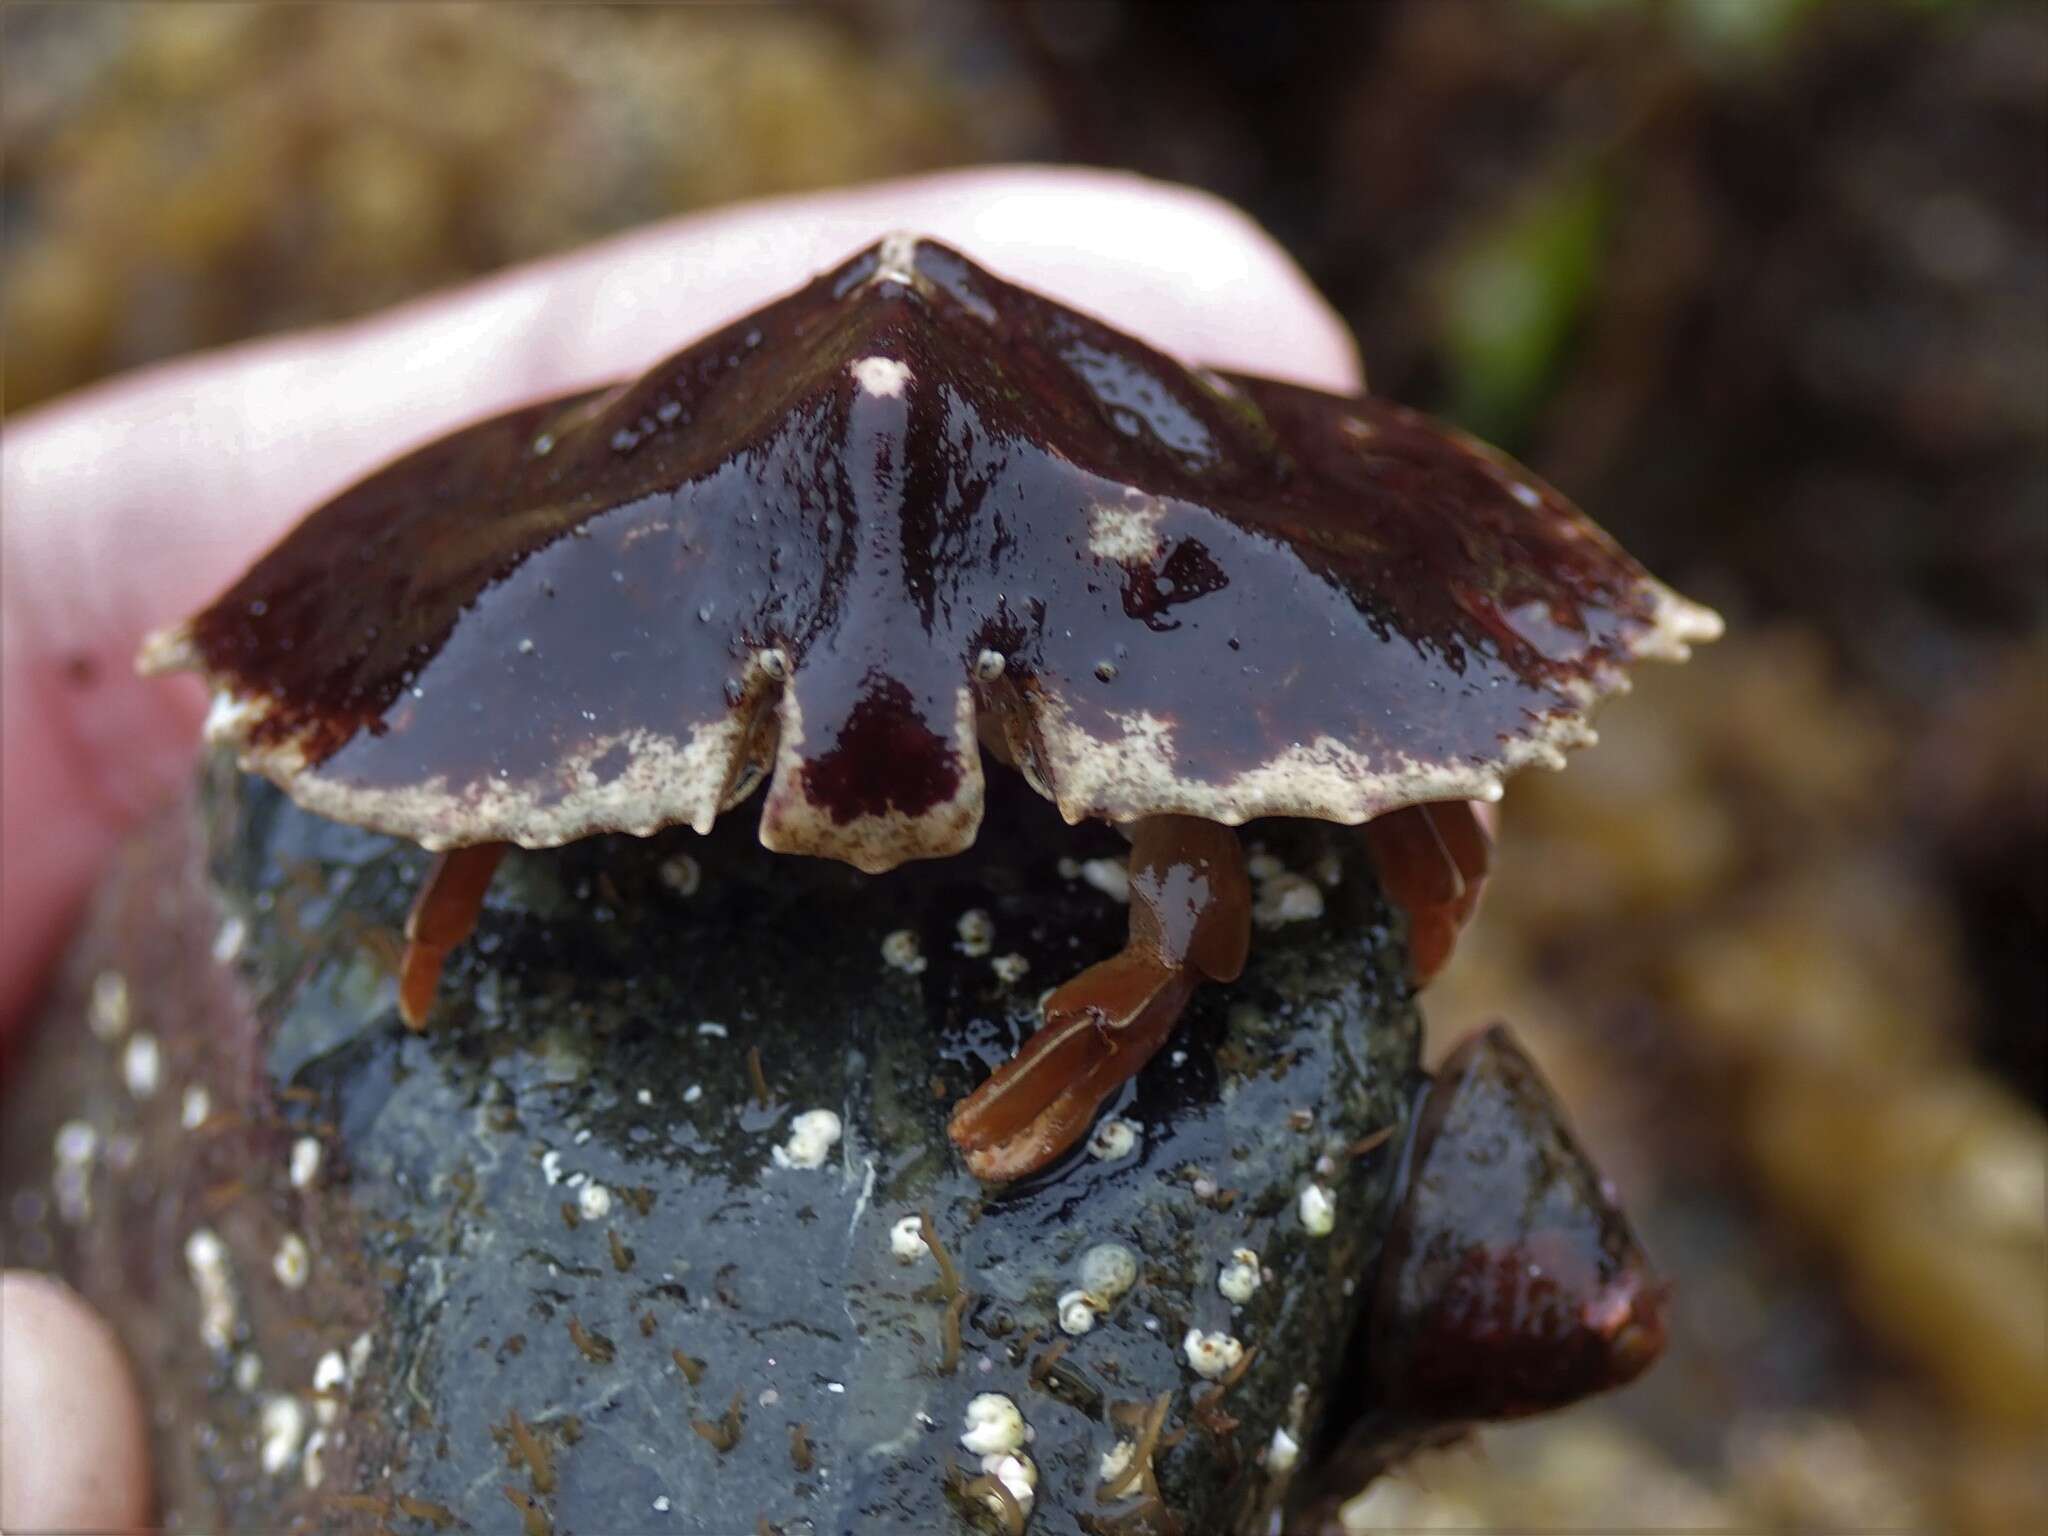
(1190, 922)
(1432, 862)
(442, 916)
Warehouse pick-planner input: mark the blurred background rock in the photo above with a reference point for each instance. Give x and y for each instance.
(1763, 283)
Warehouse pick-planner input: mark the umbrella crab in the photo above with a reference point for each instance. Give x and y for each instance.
(904, 515)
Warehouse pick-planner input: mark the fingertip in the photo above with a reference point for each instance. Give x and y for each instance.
(73, 1451)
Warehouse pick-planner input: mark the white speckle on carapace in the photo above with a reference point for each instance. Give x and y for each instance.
(1112, 1139)
(594, 1201)
(995, 1426)
(713, 1030)
(1318, 1210)
(1211, 1355)
(1010, 969)
(248, 1372)
(902, 950)
(1127, 534)
(358, 1355)
(107, 1011)
(977, 932)
(305, 1162)
(1108, 1270)
(661, 1504)
(693, 1093)
(292, 1263)
(883, 376)
(142, 1066)
(906, 1240)
(195, 1107)
(1282, 1453)
(282, 1430)
(1239, 1276)
(1525, 493)
(1112, 877)
(551, 1167)
(206, 1260)
(812, 1135)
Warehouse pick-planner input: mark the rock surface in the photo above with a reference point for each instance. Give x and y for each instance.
(568, 1262)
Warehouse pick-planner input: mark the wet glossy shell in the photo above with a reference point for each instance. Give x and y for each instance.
(906, 511)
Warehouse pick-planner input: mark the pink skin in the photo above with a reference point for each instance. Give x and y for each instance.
(131, 503)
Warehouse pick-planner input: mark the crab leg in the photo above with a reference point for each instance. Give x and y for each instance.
(1190, 922)
(443, 915)
(1432, 862)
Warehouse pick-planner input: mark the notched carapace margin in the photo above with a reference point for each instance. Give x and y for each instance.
(905, 515)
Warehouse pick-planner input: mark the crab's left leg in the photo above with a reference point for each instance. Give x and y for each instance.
(443, 915)
(1190, 922)
(1432, 861)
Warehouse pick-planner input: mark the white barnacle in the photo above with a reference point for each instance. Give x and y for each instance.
(902, 950)
(906, 1240)
(72, 1151)
(1239, 1276)
(682, 874)
(330, 1374)
(1077, 1311)
(314, 1466)
(1112, 877)
(812, 1136)
(977, 932)
(107, 1011)
(1318, 1210)
(292, 1263)
(1282, 1453)
(593, 1201)
(1112, 1139)
(1019, 1477)
(1108, 1270)
(989, 665)
(995, 1426)
(1116, 1461)
(142, 1066)
(195, 1107)
(206, 1260)
(1010, 969)
(305, 1162)
(1211, 1355)
(228, 941)
(1287, 898)
(281, 1429)
(551, 1167)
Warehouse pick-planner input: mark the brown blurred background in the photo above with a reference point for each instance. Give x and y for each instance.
(1763, 283)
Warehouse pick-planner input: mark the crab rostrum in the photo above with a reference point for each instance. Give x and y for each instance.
(905, 514)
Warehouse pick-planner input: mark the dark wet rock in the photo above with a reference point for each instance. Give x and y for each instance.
(543, 1267)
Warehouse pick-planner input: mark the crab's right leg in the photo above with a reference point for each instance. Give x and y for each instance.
(1432, 861)
(443, 915)
(1190, 922)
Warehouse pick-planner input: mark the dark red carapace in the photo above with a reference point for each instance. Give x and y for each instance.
(905, 513)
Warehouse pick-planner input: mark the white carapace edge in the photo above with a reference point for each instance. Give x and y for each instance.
(667, 782)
